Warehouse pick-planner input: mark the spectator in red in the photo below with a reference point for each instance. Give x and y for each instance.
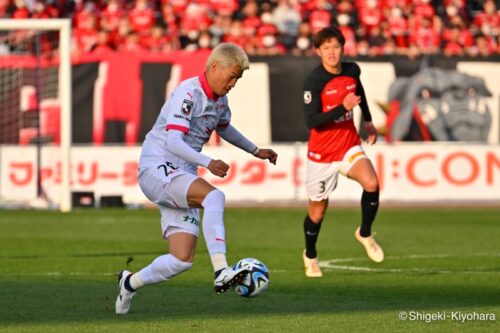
(156, 40)
(453, 45)
(457, 7)
(39, 11)
(119, 36)
(425, 38)
(112, 13)
(141, 17)
(404, 5)
(267, 42)
(21, 11)
(5, 8)
(103, 44)
(85, 37)
(488, 22)
(321, 16)
(170, 19)
(422, 9)
(196, 17)
(80, 18)
(484, 46)
(370, 14)
(224, 7)
(131, 43)
(236, 34)
(463, 36)
(179, 6)
(398, 27)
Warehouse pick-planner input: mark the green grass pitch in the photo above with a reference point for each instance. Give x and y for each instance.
(57, 273)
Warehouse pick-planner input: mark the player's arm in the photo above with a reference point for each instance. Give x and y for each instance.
(234, 137)
(178, 117)
(365, 110)
(177, 146)
(367, 117)
(313, 107)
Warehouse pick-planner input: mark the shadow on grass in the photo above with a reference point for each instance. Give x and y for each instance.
(66, 301)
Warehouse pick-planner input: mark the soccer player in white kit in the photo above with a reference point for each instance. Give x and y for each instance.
(169, 159)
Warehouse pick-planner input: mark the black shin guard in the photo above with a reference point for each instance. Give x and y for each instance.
(369, 208)
(311, 232)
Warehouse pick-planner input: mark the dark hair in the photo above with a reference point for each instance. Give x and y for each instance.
(326, 34)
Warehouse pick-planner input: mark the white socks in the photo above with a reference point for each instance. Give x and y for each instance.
(161, 269)
(213, 228)
(167, 266)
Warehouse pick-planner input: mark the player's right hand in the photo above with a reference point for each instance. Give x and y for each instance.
(218, 168)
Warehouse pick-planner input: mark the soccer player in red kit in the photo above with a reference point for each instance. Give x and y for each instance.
(331, 91)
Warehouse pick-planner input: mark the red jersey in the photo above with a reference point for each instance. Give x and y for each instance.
(332, 130)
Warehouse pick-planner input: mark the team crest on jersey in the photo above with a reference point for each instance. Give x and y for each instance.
(186, 107)
(307, 97)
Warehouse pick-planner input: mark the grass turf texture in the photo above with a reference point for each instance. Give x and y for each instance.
(57, 273)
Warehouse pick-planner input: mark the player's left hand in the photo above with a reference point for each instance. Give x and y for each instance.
(372, 132)
(267, 154)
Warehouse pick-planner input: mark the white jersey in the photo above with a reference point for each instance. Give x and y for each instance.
(193, 109)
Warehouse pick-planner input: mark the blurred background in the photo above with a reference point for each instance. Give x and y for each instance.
(430, 69)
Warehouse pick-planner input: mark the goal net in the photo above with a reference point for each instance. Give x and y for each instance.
(35, 113)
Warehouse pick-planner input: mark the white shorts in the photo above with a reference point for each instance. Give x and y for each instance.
(169, 192)
(321, 178)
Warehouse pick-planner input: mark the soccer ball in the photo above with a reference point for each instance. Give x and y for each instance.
(257, 279)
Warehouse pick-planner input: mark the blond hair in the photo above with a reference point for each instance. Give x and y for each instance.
(227, 55)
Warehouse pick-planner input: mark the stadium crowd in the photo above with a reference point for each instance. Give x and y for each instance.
(275, 27)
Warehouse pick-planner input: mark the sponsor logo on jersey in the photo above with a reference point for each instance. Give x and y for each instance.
(331, 92)
(307, 97)
(314, 155)
(186, 107)
(351, 87)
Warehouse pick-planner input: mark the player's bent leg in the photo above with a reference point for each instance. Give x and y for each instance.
(182, 247)
(363, 172)
(214, 232)
(201, 193)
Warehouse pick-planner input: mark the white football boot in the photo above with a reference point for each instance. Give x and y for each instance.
(228, 277)
(373, 250)
(122, 305)
(311, 266)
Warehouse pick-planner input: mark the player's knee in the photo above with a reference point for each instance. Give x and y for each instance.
(316, 216)
(180, 265)
(185, 257)
(371, 185)
(215, 200)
